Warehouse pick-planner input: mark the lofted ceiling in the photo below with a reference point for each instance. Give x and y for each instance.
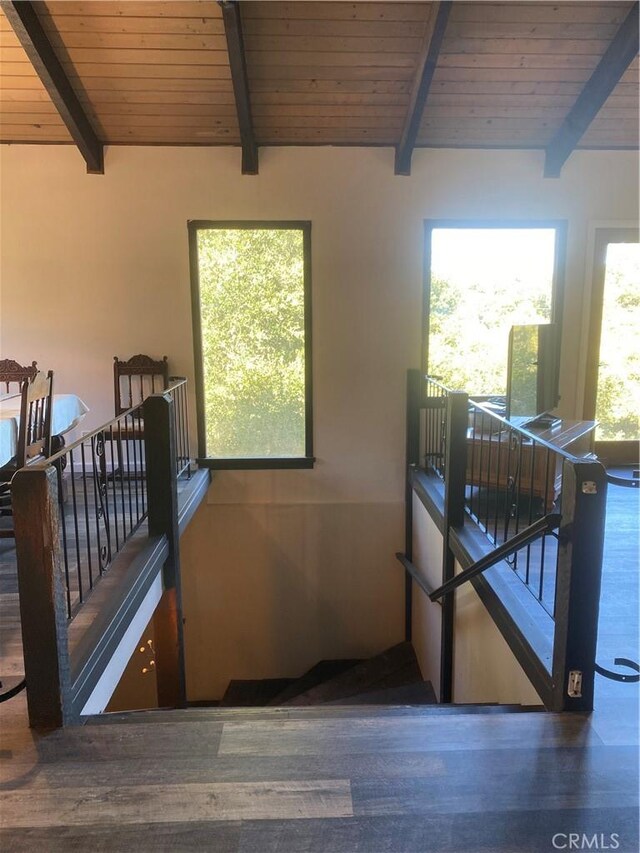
(500, 75)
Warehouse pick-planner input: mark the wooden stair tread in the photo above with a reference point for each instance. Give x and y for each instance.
(322, 671)
(392, 668)
(251, 693)
(311, 712)
(418, 693)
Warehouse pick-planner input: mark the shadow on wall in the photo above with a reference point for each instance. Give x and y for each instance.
(269, 590)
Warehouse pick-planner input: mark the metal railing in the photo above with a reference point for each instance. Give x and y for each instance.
(74, 513)
(540, 512)
(178, 392)
(514, 477)
(435, 426)
(102, 500)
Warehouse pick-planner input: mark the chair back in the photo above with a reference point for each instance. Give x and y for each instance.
(34, 432)
(135, 379)
(11, 372)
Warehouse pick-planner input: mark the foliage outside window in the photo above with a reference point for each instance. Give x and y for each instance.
(252, 325)
(483, 281)
(618, 400)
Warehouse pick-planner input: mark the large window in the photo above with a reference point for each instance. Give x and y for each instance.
(252, 338)
(482, 279)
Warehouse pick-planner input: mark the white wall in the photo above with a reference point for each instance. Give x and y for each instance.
(94, 266)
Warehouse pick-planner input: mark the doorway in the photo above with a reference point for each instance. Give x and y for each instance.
(612, 390)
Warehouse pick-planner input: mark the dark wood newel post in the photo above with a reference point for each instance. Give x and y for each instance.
(42, 593)
(162, 502)
(415, 392)
(581, 535)
(455, 460)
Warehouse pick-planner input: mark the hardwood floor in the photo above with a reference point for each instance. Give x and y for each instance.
(333, 779)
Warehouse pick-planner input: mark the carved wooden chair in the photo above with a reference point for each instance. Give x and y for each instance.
(34, 435)
(133, 381)
(13, 373)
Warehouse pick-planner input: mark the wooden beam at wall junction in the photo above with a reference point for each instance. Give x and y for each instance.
(427, 62)
(240, 80)
(25, 22)
(617, 58)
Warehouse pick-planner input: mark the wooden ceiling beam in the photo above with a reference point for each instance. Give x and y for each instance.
(617, 58)
(427, 62)
(26, 25)
(240, 80)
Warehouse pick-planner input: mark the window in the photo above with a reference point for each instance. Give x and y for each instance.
(251, 303)
(482, 279)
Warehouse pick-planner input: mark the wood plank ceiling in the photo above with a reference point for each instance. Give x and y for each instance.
(321, 73)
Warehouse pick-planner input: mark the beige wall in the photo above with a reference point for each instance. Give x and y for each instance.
(484, 667)
(98, 265)
(427, 615)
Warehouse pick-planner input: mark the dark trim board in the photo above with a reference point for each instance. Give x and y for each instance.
(267, 464)
(191, 496)
(193, 226)
(430, 492)
(231, 16)
(426, 66)
(121, 593)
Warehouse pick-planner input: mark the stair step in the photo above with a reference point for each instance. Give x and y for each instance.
(392, 668)
(252, 693)
(313, 712)
(322, 671)
(418, 693)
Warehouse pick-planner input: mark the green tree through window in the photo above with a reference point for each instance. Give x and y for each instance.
(251, 283)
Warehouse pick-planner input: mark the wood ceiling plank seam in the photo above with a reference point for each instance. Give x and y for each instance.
(622, 50)
(130, 8)
(393, 11)
(540, 13)
(24, 20)
(83, 41)
(133, 25)
(80, 56)
(589, 47)
(501, 30)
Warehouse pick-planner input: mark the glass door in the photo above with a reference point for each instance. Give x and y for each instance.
(612, 394)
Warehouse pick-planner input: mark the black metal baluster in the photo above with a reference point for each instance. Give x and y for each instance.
(135, 429)
(114, 493)
(63, 529)
(86, 512)
(545, 508)
(497, 500)
(532, 478)
(473, 459)
(517, 493)
(75, 517)
(489, 479)
(96, 498)
(120, 442)
(128, 477)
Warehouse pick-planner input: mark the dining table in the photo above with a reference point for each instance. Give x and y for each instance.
(67, 412)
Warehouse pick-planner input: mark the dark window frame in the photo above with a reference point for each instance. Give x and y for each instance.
(251, 463)
(557, 281)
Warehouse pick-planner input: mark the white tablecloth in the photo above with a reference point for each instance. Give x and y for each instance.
(68, 411)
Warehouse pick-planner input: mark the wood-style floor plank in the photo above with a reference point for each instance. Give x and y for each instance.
(463, 732)
(126, 803)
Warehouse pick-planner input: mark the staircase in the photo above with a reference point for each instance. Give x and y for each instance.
(390, 678)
